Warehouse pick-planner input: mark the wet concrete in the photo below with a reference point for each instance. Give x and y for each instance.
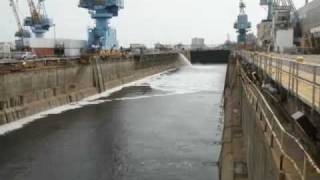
(160, 130)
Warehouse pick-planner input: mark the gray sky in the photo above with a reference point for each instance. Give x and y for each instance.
(147, 21)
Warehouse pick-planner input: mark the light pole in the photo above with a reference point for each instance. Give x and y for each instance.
(54, 33)
(54, 39)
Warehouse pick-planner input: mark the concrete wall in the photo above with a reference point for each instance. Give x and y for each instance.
(259, 157)
(267, 143)
(245, 153)
(26, 93)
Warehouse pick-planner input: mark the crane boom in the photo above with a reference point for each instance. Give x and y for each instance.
(16, 15)
(22, 33)
(33, 11)
(272, 4)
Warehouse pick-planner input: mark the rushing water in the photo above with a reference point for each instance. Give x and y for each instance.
(166, 128)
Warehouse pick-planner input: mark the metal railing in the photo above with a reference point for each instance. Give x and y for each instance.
(294, 156)
(293, 159)
(299, 78)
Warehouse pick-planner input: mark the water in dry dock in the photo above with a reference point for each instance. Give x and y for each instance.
(164, 129)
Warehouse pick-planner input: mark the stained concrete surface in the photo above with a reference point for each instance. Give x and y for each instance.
(166, 129)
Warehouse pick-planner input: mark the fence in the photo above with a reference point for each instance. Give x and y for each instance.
(291, 157)
(300, 79)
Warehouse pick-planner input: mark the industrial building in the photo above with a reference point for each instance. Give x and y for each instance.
(5, 49)
(287, 29)
(163, 47)
(42, 47)
(277, 31)
(264, 33)
(198, 43)
(310, 25)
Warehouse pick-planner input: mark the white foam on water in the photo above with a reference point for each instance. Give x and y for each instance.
(95, 99)
(147, 96)
(189, 79)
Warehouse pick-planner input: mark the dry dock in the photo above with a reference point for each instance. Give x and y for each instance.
(164, 128)
(30, 87)
(262, 139)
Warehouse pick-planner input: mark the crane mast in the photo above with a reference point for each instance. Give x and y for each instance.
(16, 15)
(242, 25)
(33, 10)
(102, 36)
(21, 33)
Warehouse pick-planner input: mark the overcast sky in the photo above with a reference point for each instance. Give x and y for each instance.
(146, 21)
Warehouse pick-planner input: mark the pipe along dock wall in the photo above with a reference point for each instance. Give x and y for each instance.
(257, 144)
(34, 90)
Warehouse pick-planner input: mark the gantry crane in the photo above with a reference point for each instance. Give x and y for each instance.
(282, 19)
(279, 5)
(102, 36)
(21, 33)
(38, 20)
(242, 25)
(283, 15)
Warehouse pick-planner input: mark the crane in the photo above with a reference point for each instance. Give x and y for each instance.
(242, 25)
(282, 17)
(275, 4)
(38, 20)
(283, 14)
(21, 33)
(102, 36)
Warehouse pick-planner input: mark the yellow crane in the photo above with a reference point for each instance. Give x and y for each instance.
(33, 11)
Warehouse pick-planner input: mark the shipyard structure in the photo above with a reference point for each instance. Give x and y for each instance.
(271, 106)
(291, 30)
(272, 97)
(31, 30)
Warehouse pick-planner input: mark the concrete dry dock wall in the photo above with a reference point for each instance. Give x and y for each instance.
(245, 152)
(259, 157)
(35, 90)
(257, 144)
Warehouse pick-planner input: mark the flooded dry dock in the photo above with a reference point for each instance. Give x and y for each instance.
(165, 128)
